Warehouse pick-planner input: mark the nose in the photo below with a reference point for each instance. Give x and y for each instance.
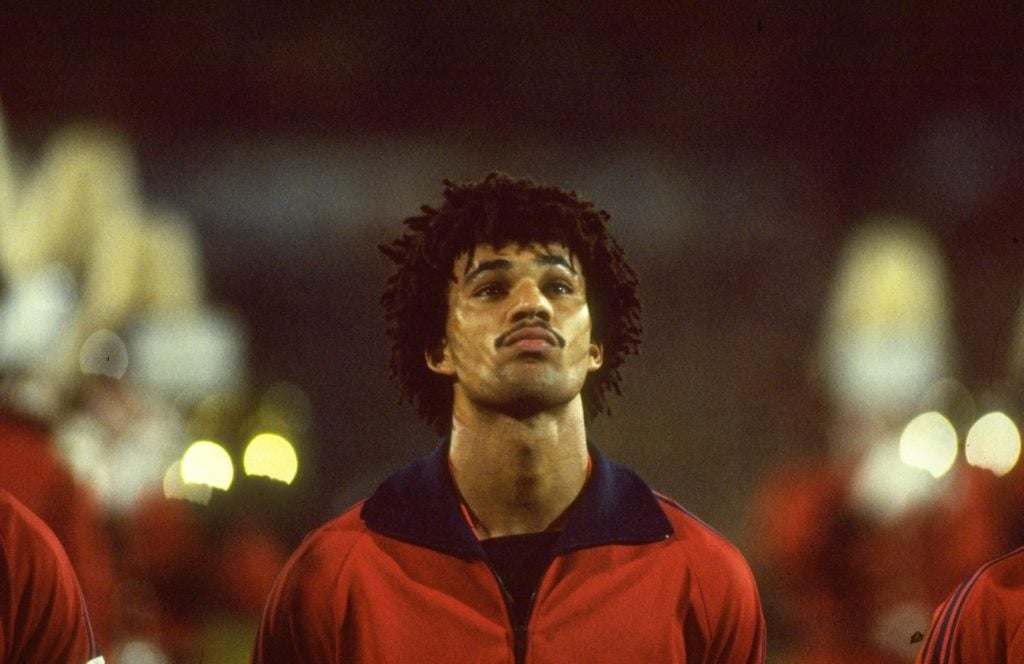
(528, 302)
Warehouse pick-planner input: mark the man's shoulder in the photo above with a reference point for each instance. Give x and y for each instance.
(997, 581)
(333, 540)
(701, 544)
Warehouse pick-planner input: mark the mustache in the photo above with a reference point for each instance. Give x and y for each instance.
(503, 337)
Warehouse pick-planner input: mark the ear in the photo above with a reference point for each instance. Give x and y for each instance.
(596, 354)
(438, 360)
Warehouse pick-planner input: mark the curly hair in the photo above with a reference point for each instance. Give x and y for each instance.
(502, 211)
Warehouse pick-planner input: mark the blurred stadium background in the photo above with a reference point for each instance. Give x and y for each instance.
(203, 188)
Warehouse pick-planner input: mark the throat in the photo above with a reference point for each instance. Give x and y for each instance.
(517, 491)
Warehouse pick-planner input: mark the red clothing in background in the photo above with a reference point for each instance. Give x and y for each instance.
(835, 575)
(982, 620)
(33, 472)
(43, 617)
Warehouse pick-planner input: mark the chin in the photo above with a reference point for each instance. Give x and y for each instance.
(528, 403)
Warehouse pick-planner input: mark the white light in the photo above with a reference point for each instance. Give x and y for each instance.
(993, 443)
(271, 455)
(201, 351)
(176, 488)
(206, 462)
(888, 330)
(34, 314)
(884, 488)
(929, 442)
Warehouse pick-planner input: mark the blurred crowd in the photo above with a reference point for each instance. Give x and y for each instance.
(113, 365)
(917, 483)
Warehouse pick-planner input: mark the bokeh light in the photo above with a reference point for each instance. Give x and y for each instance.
(104, 354)
(206, 462)
(929, 441)
(993, 443)
(175, 487)
(888, 329)
(884, 488)
(271, 455)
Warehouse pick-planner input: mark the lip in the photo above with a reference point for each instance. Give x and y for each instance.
(530, 336)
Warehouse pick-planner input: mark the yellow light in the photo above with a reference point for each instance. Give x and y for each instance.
(993, 443)
(271, 455)
(176, 488)
(206, 462)
(929, 442)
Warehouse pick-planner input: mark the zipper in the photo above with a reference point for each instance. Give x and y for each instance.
(519, 630)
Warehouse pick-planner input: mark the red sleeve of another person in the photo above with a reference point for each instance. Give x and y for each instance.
(43, 617)
(983, 619)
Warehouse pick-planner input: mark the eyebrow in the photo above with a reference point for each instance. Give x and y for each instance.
(505, 264)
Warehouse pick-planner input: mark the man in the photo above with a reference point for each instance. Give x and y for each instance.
(43, 617)
(510, 313)
(981, 620)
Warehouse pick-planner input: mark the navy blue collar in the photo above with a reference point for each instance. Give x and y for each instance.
(419, 504)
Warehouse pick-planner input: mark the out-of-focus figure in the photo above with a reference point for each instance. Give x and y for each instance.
(107, 348)
(857, 545)
(33, 311)
(43, 615)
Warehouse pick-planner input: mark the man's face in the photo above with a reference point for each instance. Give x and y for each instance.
(517, 337)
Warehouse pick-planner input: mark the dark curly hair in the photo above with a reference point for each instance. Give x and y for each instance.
(500, 211)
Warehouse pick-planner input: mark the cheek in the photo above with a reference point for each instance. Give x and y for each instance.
(462, 333)
(578, 325)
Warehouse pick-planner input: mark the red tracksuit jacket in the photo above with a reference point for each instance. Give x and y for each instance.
(401, 578)
(42, 614)
(983, 619)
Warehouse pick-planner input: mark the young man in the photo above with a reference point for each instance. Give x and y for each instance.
(42, 614)
(509, 314)
(981, 620)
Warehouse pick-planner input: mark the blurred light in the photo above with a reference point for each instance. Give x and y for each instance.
(176, 488)
(271, 455)
(206, 462)
(884, 488)
(141, 652)
(103, 353)
(993, 443)
(888, 332)
(35, 313)
(929, 442)
(197, 352)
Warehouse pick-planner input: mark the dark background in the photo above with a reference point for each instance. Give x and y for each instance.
(735, 150)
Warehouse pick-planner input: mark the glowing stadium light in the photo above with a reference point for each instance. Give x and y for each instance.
(176, 488)
(929, 441)
(271, 455)
(206, 462)
(993, 443)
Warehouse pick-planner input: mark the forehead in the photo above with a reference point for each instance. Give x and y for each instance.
(552, 254)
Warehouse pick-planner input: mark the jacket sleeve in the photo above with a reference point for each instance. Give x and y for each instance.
(304, 616)
(43, 617)
(979, 622)
(732, 621)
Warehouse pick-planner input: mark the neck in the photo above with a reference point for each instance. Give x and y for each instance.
(519, 475)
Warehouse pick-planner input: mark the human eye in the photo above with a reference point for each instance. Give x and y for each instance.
(489, 290)
(560, 287)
